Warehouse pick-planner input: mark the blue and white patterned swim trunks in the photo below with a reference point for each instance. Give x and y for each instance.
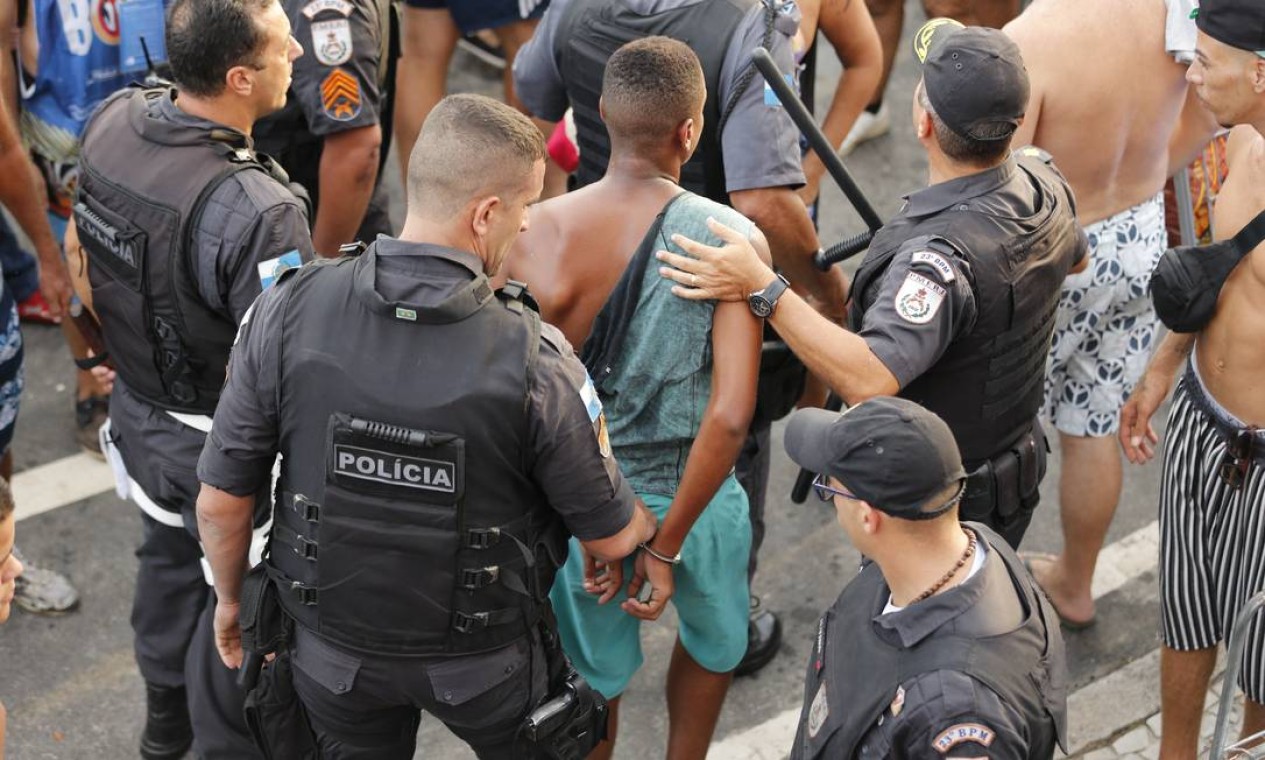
(10, 367)
(1106, 326)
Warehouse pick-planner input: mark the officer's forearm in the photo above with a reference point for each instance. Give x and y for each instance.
(784, 220)
(224, 524)
(349, 169)
(839, 357)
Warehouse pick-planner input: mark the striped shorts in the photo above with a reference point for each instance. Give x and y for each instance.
(1212, 536)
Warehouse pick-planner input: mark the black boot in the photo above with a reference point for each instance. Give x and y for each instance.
(764, 636)
(168, 734)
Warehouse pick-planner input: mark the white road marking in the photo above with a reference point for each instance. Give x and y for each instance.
(1118, 563)
(59, 483)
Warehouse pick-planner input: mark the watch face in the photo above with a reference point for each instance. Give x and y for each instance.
(760, 305)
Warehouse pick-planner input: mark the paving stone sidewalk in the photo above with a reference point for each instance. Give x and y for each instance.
(1141, 740)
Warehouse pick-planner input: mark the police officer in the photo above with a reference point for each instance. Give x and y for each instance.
(953, 306)
(182, 225)
(748, 157)
(333, 130)
(439, 444)
(943, 645)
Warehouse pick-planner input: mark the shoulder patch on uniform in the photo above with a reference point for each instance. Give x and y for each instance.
(272, 269)
(975, 733)
(593, 405)
(331, 41)
(1032, 151)
(340, 95)
(315, 7)
(818, 712)
(918, 299)
(936, 262)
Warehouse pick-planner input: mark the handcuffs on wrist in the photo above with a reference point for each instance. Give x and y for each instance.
(674, 560)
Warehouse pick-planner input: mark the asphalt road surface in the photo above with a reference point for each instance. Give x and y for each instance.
(71, 685)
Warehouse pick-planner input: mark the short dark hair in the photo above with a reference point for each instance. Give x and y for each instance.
(206, 38)
(966, 150)
(651, 85)
(6, 500)
(470, 145)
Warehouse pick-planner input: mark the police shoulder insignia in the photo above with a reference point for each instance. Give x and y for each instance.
(340, 95)
(818, 712)
(341, 7)
(272, 269)
(975, 733)
(331, 41)
(937, 262)
(918, 299)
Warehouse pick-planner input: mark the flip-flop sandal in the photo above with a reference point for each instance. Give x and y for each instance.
(1068, 623)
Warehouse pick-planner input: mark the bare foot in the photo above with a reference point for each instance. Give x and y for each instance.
(1073, 614)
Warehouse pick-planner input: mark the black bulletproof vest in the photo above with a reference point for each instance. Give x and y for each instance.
(1026, 667)
(1018, 241)
(405, 520)
(591, 31)
(144, 183)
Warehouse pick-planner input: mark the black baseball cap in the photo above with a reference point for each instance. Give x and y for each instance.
(892, 453)
(974, 77)
(1237, 23)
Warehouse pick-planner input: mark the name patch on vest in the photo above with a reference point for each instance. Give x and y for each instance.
(918, 299)
(962, 733)
(395, 469)
(93, 226)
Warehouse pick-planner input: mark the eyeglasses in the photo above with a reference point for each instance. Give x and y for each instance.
(1238, 458)
(827, 493)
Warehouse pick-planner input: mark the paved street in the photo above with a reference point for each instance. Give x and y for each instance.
(71, 684)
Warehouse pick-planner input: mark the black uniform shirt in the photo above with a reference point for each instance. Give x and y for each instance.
(942, 713)
(760, 143)
(249, 220)
(925, 298)
(580, 483)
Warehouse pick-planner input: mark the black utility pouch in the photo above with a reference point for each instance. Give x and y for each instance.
(274, 715)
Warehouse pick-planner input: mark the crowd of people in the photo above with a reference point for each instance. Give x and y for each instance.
(450, 466)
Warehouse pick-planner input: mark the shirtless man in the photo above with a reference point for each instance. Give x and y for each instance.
(678, 380)
(1132, 93)
(1213, 531)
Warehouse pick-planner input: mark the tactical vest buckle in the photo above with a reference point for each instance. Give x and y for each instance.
(304, 547)
(307, 509)
(477, 577)
(305, 594)
(463, 623)
(483, 538)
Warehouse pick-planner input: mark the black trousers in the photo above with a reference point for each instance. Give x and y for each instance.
(172, 615)
(752, 471)
(369, 706)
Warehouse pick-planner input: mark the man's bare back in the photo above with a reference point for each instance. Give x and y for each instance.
(1105, 97)
(571, 269)
(1231, 349)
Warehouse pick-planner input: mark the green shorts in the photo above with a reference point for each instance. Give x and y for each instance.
(711, 598)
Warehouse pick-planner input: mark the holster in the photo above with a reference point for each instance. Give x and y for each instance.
(274, 715)
(572, 719)
(1009, 484)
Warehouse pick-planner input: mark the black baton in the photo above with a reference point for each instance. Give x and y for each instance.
(842, 250)
(826, 152)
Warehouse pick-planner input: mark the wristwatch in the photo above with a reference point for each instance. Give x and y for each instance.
(763, 302)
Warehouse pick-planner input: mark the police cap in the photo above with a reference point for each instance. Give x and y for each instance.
(974, 77)
(890, 452)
